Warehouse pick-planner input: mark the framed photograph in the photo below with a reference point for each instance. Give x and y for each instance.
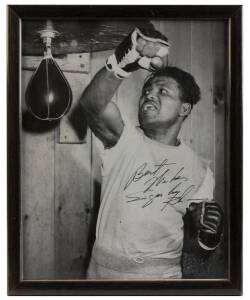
(124, 150)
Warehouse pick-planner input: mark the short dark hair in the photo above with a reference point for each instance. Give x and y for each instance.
(190, 91)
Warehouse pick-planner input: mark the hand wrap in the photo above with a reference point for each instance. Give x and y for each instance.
(140, 49)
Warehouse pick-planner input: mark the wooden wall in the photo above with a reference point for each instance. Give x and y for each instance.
(61, 181)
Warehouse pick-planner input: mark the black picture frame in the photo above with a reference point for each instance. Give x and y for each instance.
(230, 286)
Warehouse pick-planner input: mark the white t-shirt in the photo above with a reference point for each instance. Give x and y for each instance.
(146, 188)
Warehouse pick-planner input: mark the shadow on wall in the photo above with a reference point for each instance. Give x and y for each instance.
(33, 125)
(76, 118)
(92, 224)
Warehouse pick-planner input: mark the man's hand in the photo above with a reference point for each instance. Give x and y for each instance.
(208, 216)
(141, 49)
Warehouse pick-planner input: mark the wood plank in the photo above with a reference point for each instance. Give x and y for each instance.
(220, 95)
(202, 118)
(73, 126)
(72, 208)
(73, 63)
(37, 194)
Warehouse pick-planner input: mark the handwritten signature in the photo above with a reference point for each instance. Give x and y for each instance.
(142, 172)
(154, 178)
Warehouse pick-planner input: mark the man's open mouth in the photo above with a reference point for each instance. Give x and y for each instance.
(149, 105)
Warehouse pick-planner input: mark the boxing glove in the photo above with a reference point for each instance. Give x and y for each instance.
(140, 49)
(211, 225)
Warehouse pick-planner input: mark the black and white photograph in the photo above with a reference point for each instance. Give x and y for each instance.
(124, 138)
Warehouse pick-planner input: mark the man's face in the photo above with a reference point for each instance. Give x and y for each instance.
(160, 104)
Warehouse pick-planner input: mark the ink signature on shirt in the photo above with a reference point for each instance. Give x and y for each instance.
(150, 198)
(142, 172)
(156, 177)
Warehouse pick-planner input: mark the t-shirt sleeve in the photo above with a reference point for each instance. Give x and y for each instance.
(109, 156)
(206, 190)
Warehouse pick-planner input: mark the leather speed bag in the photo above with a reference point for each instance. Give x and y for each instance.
(48, 95)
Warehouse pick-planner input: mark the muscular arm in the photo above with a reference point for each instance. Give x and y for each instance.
(103, 116)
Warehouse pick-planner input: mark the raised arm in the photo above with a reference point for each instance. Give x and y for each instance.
(103, 116)
(141, 49)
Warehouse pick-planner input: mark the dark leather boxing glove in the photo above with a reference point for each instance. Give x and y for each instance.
(140, 49)
(211, 225)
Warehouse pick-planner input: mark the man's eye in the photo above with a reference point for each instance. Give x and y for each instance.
(146, 92)
(164, 92)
